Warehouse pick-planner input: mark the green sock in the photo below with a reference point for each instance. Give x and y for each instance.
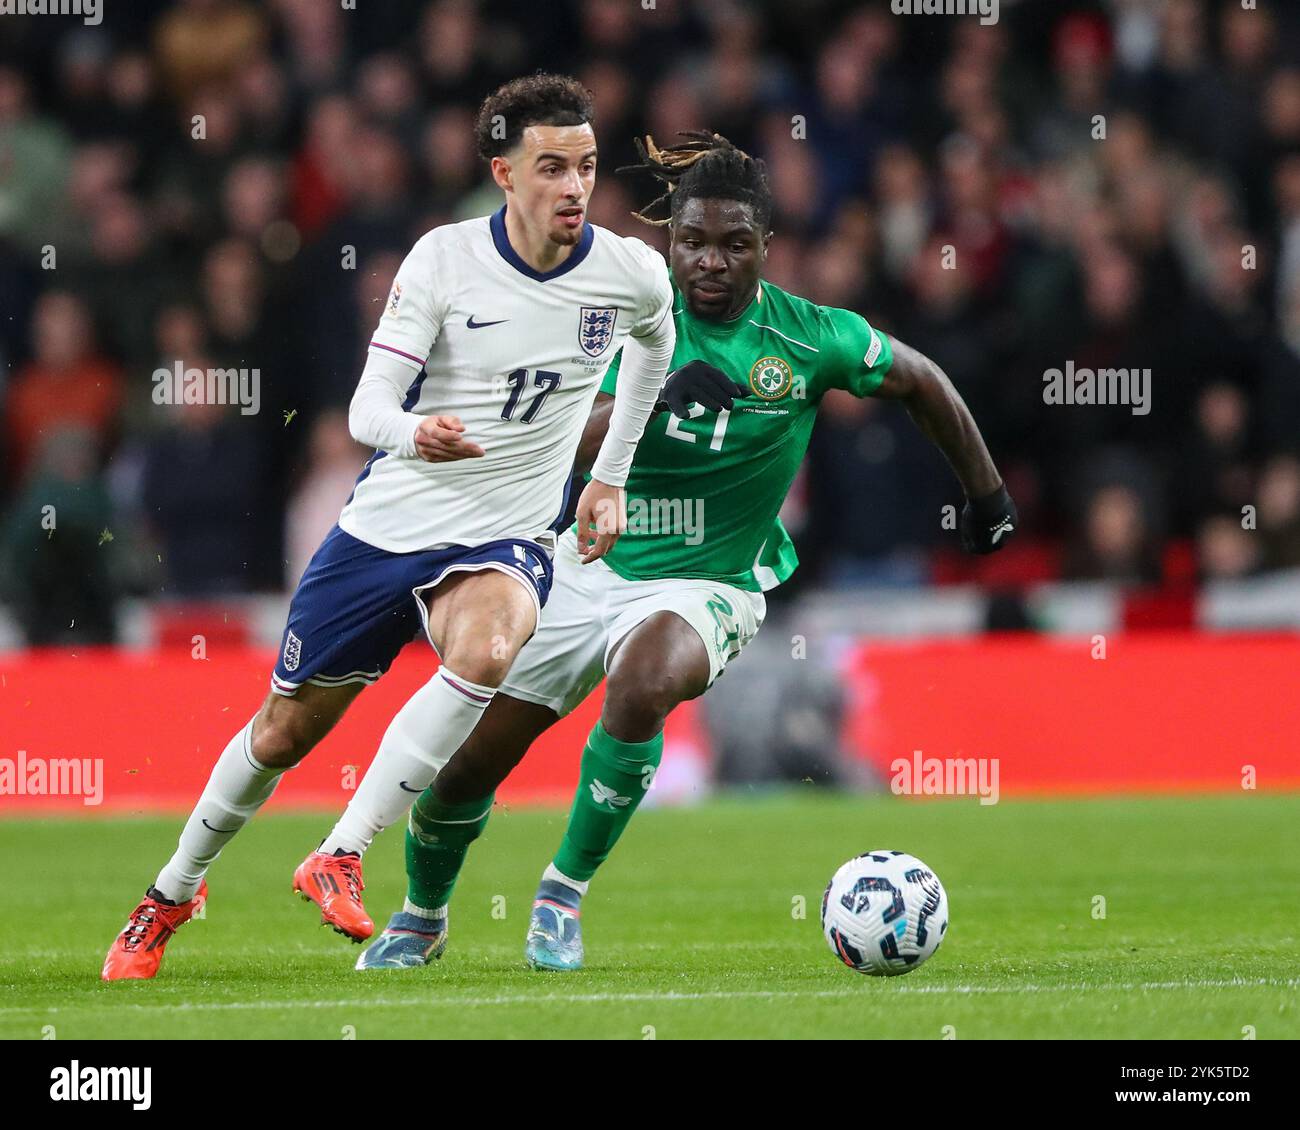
(615, 776)
(437, 837)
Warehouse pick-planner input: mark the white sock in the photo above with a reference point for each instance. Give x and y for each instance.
(419, 741)
(555, 875)
(238, 787)
(438, 914)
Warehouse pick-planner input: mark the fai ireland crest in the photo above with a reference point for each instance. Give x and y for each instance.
(596, 328)
(770, 378)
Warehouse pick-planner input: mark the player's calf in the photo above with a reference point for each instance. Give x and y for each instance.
(660, 664)
(479, 621)
(438, 835)
(282, 732)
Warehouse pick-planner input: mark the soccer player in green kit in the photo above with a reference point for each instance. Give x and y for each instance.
(665, 611)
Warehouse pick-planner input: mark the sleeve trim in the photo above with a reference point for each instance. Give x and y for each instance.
(400, 353)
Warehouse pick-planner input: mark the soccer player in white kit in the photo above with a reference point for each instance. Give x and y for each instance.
(478, 384)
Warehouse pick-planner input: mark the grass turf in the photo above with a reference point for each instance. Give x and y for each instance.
(691, 928)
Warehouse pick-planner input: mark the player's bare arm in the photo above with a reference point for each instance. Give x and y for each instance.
(593, 433)
(939, 411)
(989, 517)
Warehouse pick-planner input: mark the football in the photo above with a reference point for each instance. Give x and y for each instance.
(884, 913)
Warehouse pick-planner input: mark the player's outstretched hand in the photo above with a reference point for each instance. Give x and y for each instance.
(602, 517)
(439, 439)
(988, 522)
(698, 382)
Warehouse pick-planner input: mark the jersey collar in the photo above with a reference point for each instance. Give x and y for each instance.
(502, 243)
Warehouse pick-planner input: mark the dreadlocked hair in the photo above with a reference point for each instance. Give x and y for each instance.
(706, 166)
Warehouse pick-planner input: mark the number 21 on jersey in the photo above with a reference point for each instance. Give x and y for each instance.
(693, 413)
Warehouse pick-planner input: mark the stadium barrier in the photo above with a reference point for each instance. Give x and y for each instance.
(1141, 712)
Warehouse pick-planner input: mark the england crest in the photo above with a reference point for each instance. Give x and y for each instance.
(596, 328)
(292, 652)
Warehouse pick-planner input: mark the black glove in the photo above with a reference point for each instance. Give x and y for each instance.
(698, 382)
(988, 523)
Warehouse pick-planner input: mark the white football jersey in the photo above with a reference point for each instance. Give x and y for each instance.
(518, 355)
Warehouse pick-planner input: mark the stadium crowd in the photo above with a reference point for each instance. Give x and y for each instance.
(220, 183)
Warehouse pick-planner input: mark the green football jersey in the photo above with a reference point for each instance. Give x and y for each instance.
(704, 493)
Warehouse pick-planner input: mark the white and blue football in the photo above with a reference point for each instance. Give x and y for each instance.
(884, 913)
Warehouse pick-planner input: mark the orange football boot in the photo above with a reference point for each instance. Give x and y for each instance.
(137, 951)
(333, 882)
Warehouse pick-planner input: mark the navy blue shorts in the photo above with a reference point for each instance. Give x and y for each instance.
(357, 606)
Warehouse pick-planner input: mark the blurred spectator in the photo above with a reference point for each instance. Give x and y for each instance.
(335, 460)
(203, 41)
(1116, 541)
(902, 193)
(1279, 512)
(1214, 469)
(202, 489)
(34, 156)
(1081, 56)
(66, 383)
(253, 198)
(1226, 551)
(56, 545)
(126, 279)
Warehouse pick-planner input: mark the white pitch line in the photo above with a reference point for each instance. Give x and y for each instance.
(665, 998)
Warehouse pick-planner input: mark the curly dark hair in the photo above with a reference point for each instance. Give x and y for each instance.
(534, 100)
(706, 167)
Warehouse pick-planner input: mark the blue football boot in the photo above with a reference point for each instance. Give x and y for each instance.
(554, 939)
(408, 942)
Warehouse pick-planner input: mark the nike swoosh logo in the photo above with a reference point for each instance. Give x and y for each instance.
(219, 831)
(404, 785)
(473, 325)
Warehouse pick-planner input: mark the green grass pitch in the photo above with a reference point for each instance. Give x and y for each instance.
(692, 929)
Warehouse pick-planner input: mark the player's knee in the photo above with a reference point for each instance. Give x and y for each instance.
(639, 698)
(278, 741)
(481, 649)
(484, 664)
